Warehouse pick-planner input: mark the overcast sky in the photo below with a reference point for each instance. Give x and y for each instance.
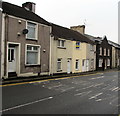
(99, 16)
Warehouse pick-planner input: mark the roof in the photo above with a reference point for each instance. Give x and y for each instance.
(21, 12)
(66, 33)
(114, 44)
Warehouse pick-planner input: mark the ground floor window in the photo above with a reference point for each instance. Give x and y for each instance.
(100, 62)
(92, 63)
(59, 64)
(32, 55)
(108, 62)
(77, 64)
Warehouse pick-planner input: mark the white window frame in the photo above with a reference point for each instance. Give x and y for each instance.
(100, 62)
(105, 51)
(100, 50)
(77, 61)
(108, 52)
(91, 47)
(36, 30)
(92, 62)
(59, 43)
(38, 62)
(108, 62)
(60, 64)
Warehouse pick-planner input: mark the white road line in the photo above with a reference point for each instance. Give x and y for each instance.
(98, 100)
(97, 78)
(85, 88)
(98, 84)
(95, 95)
(115, 88)
(83, 93)
(19, 106)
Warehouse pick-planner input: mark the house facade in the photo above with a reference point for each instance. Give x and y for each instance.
(69, 49)
(103, 54)
(115, 54)
(25, 41)
(88, 62)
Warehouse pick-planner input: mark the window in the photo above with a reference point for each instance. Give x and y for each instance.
(100, 50)
(91, 47)
(77, 65)
(92, 63)
(32, 31)
(100, 62)
(61, 43)
(77, 45)
(33, 55)
(108, 52)
(59, 64)
(104, 51)
(83, 62)
(108, 62)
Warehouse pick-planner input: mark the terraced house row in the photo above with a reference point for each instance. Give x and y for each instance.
(31, 45)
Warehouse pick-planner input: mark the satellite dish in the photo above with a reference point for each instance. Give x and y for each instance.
(25, 31)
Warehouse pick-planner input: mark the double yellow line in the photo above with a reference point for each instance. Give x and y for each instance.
(40, 81)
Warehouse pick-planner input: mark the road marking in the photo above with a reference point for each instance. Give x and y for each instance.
(83, 93)
(85, 88)
(95, 95)
(97, 78)
(98, 84)
(19, 106)
(98, 100)
(45, 80)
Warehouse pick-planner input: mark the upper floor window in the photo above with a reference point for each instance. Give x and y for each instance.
(91, 47)
(32, 55)
(32, 31)
(104, 51)
(108, 52)
(100, 50)
(61, 43)
(77, 45)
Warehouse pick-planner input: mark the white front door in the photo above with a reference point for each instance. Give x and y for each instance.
(68, 66)
(11, 59)
(87, 65)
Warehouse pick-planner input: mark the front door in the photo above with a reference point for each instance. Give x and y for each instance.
(68, 66)
(11, 59)
(87, 65)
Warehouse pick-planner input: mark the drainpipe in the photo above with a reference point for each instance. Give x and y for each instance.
(5, 47)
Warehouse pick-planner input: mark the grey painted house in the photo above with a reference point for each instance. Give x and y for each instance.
(25, 41)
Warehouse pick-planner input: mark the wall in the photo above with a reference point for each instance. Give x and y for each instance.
(13, 27)
(63, 53)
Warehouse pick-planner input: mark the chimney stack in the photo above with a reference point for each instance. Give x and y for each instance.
(79, 28)
(29, 6)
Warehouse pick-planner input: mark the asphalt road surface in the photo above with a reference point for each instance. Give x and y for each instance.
(90, 94)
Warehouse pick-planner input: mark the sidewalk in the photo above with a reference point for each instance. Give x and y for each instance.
(36, 78)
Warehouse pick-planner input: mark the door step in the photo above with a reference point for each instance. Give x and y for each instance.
(12, 74)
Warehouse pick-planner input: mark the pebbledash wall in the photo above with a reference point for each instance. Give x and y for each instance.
(13, 36)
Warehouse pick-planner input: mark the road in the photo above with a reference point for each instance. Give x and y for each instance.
(89, 94)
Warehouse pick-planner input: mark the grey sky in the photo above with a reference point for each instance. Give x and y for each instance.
(100, 16)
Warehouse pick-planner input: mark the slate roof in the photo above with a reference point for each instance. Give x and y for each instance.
(21, 12)
(114, 44)
(66, 33)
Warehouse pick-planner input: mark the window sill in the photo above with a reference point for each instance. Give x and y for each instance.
(31, 39)
(77, 69)
(32, 65)
(61, 47)
(59, 70)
